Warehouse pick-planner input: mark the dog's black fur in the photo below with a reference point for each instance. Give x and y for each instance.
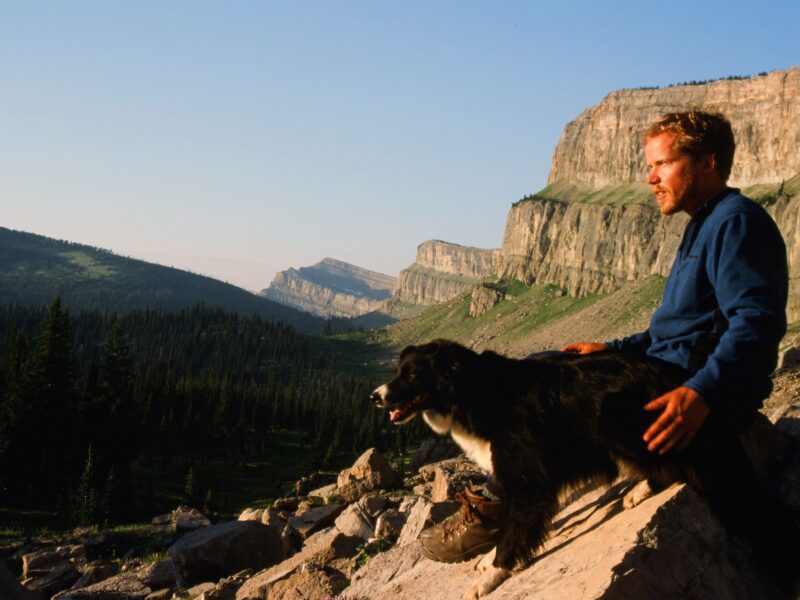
(552, 421)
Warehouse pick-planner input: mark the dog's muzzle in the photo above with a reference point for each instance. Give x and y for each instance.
(378, 396)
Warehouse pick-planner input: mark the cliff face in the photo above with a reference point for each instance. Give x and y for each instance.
(588, 248)
(603, 146)
(595, 226)
(331, 288)
(443, 271)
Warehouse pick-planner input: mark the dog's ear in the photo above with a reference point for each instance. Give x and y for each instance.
(406, 351)
(449, 356)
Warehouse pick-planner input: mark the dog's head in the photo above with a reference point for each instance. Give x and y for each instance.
(427, 378)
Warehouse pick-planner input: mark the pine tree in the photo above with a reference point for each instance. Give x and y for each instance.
(86, 502)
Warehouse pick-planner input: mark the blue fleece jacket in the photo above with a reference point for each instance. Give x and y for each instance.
(730, 264)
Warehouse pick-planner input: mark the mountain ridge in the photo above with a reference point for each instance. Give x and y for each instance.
(35, 268)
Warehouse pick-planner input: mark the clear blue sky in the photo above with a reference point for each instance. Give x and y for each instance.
(236, 139)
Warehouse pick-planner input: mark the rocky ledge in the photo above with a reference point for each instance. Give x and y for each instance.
(354, 537)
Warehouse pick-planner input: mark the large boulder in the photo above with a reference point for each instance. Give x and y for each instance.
(669, 546)
(326, 548)
(370, 466)
(221, 550)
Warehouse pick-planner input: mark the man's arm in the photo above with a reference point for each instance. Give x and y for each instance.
(747, 268)
(639, 341)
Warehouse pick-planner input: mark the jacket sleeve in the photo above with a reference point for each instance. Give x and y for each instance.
(746, 265)
(637, 341)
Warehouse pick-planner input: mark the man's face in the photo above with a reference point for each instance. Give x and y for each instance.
(672, 175)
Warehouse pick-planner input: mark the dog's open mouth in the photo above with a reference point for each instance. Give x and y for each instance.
(401, 414)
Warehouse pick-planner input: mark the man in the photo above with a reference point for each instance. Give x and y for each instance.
(723, 312)
(722, 317)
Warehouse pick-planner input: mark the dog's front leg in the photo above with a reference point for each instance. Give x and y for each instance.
(491, 578)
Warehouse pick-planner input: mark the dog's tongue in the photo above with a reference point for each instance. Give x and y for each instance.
(395, 415)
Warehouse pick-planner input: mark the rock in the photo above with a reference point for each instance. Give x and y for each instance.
(181, 519)
(370, 464)
(452, 476)
(443, 271)
(390, 524)
(669, 546)
(483, 299)
(789, 358)
(286, 504)
(57, 577)
(11, 589)
(324, 548)
(40, 563)
(372, 505)
(305, 485)
(354, 522)
(156, 574)
(120, 587)
(434, 450)
(201, 588)
(325, 492)
(315, 519)
(165, 594)
(331, 288)
(137, 582)
(95, 572)
(251, 514)
(421, 514)
(312, 582)
(354, 490)
(221, 550)
(226, 588)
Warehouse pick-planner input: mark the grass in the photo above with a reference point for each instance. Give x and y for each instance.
(523, 310)
(643, 303)
(768, 194)
(615, 195)
(92, 268)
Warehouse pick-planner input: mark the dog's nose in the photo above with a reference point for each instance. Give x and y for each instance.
(378, 396)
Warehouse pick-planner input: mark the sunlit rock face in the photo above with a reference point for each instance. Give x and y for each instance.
(331, 288)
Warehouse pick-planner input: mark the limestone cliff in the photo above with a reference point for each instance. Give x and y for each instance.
(589, 248)
(604, 146)
(443, 271)
(331, 288)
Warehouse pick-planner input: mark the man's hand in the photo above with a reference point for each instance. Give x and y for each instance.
(684, 411)
(584, 347)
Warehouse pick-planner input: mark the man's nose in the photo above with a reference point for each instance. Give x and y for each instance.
(653, 178)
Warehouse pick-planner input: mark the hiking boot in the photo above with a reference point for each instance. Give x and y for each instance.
(471, 531)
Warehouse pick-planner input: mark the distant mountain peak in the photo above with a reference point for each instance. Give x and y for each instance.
(331, 287)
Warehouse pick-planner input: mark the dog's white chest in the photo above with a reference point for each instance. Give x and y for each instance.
(477, 448)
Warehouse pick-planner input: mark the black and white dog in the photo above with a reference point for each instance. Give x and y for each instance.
(541, 426)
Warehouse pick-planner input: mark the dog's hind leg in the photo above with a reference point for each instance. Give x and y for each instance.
(637, 494)
(491, 578)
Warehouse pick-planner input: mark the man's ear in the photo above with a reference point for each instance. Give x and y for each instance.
(708, 163)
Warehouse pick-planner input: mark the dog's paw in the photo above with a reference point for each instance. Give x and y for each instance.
(486, 562)
(638, 494)
(490, 579)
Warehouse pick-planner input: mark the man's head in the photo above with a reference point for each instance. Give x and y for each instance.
(689, 157)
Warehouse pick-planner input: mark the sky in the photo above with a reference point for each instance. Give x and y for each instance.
(237, 139)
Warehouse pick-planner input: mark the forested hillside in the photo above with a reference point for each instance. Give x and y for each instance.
(34, 268)
(96, 409)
